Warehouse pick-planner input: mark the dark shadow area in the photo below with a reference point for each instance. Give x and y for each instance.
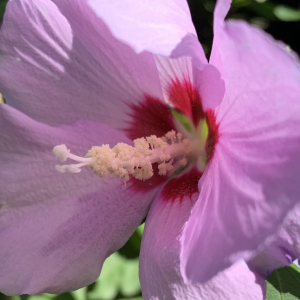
(275, 17)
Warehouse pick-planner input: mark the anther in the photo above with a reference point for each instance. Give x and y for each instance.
(61, 152)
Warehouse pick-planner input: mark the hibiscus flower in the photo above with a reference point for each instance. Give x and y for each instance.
(83, 74)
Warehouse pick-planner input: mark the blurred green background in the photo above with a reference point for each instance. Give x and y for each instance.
(280, 18)
(119, 278)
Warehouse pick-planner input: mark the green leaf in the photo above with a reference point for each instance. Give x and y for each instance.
(263, 10)
(2, 8)
(91, 287)
(295, 267)
(43, 297)
(4, 297)
(140, 229)
(107, 286)
(287, 14)
(130, 284)
(132, 248)
(64, 296)
(284, 284)
(79, 294)
(119, 276)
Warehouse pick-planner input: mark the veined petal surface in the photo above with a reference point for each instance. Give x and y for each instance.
(252, 180)
(57, 229)
(161, 27)
(283, 249)
(160, 275)
(60, 63)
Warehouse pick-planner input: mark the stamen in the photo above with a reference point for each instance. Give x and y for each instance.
(124, 160)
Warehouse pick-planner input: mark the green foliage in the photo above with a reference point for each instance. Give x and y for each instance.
(3, 297)
(284, 284)
(2, 9)
(64, 296)
(285, 13)
(118, 276)
(131, 249)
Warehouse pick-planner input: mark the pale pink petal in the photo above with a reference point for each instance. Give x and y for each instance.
(220, 12)
(161, 27)
(221, 9)
(60, 63)
(200, 85)
(283, 249)
(57, 229)
(159, 260)
(252, 180)
(211, 87)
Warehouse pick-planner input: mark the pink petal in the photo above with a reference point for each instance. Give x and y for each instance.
(252, 180)
(221, 10)
(190, 87)
(60, 63)
(160, 275)
(161, 27)
(211, 87)
(283, 249)
(57, 229)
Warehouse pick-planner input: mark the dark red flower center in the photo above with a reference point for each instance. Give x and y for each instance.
(153, 116)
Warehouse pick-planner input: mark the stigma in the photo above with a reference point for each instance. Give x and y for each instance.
(124, 160)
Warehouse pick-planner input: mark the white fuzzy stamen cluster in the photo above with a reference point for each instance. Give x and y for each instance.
(124, 160)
